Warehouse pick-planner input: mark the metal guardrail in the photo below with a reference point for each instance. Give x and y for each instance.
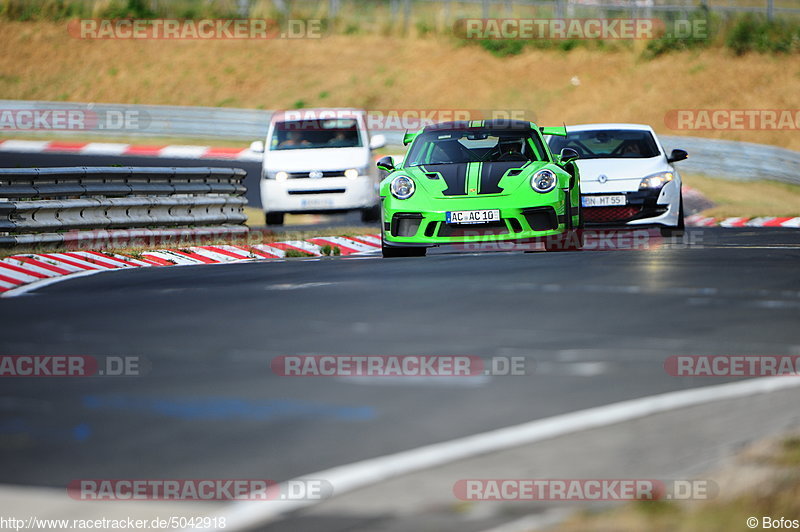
(738, 161)
(130, 120)
(48, 205)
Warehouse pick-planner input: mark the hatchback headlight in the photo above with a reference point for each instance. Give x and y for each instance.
(544, 181)
(402, 187)
(656, 180)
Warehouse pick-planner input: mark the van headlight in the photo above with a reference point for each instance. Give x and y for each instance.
(402, 187)
(656, 180)
(352, 173)
(544, 181)
(278, 176)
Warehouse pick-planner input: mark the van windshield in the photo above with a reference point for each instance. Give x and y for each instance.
(303, 134)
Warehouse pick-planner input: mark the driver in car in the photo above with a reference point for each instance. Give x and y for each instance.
(510, 150)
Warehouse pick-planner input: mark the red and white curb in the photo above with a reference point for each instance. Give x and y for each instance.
(28, 270)
(113, 149)
(698, 220)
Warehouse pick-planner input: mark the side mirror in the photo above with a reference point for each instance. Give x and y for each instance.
(386, 164)
(377, 141)
(677, 155)
(568, 155)
(257, 146)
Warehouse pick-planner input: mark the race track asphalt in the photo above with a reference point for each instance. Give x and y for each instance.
(594, 327)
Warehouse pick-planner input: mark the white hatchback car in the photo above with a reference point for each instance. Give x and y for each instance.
(626, 178)
(319, 161)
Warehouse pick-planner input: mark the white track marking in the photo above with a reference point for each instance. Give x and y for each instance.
(104, 148)
(24, 146)
(183, 152)
(346, 478)
(22, 290)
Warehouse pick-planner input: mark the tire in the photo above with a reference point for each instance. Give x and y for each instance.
(392, 252)
(274, 218)
(571, 240)
(371, 214)
(679, 229)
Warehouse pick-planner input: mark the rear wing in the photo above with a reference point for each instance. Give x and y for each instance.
(559, 131)
(408, 138)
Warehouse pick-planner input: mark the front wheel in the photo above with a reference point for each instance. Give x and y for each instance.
(274, 218)
(371, 214)
(393, 252)
(571, 240)
(679, 229)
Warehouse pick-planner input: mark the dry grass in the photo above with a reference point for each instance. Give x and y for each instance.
(395, 73)
(764, 481)
(747, 199)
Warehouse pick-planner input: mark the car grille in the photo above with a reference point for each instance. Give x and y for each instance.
(541, 218)
(493, 228)
(610, 214)
(317, 191)
(306, 175)
(406, 224)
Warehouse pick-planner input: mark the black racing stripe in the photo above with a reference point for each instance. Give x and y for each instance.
(455, 175)
(492, 173)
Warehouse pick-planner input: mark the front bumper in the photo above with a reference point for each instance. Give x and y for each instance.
(404, 226)
(644, 207)
(319, 195)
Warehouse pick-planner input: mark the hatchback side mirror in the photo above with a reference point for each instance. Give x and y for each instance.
(386, 164)
(568, 155)
(677, 155)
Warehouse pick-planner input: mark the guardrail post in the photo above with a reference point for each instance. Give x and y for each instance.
(559, 8)
(770, 9)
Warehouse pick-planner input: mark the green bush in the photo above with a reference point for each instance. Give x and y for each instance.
(753, 33)
(503, 47)
(678, 37)
(129, 9)
(24, 10)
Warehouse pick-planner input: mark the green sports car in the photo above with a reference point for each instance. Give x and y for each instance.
(480, 181)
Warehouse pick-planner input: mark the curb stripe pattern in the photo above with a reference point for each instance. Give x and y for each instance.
(108, 148)
(698, 220)
(26, 268)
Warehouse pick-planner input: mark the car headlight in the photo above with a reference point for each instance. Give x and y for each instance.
(402, 187)
(278, 176)
(544, 181)
(656, 180)
(352, 173)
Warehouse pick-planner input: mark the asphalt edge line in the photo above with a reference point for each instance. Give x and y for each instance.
(35, 285)
(246, 514)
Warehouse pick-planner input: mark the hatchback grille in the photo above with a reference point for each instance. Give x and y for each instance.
(610, 214)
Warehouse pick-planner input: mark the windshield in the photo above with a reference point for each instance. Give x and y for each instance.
(458, 146)
(301, 134)
(607, 144)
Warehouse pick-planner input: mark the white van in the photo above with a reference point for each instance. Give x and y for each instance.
(319, 161)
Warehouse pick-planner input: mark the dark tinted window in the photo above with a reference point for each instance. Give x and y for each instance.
(607, 144)
(460, 146)
(300, 134)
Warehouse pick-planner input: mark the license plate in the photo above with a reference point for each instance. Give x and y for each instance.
(316, 202)
(604, 201)
(473, 217)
